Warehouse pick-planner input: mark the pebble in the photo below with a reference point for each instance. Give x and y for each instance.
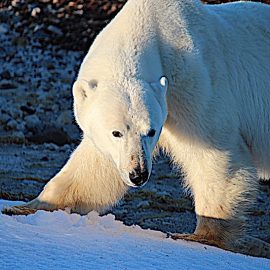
(3, 102)
(27, 109)
(4, 118)
(49, 133)
(3, 28)
(6, 85)
(66, 147)
(19, 136)
(143, 204)
(65, 118)
(51, 146)
(260, 199)
(35, 12)
(20, 41)
(55, 108)
(32, 122)
(73, 132)
(21, 126)
(11, 125)
(44, 158)
(15, 113)
(15, 3)
(5, 75)
(55, 30)
(163, 193)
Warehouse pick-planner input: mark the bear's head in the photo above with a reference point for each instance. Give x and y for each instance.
(124, 121)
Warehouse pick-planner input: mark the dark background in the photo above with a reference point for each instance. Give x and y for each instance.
(70, 24)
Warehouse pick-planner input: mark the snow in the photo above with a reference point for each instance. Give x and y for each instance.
(60, 240)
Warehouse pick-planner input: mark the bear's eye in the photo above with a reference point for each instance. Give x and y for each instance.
(117, 134)
(93, 84)
(151, 133)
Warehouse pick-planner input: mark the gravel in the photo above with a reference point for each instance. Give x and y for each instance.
(35, 87)
(70, 24)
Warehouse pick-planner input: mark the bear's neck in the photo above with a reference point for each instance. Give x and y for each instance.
(154, 33)
(132, 44)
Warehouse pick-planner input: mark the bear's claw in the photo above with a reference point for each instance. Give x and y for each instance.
(18, 210)
(193, 238)
(247, 245)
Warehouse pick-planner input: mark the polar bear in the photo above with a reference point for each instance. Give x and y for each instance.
(187, 77)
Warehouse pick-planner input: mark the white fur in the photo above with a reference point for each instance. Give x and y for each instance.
(215, 114)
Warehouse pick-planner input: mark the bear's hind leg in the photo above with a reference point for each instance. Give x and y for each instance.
(87, 182)
(244, 244)
(210, 231)
(223, 185)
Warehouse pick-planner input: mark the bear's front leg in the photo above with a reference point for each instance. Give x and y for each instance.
(89, 181)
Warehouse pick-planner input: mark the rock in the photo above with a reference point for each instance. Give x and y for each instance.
(65, 118)
(260, 199)
(18, 137)
(73, 132)
(55, 108)
(45, 158)
(3, 104)
(14, 113)
(3, 28)
(143, 204)
(66, 147)
(32, 122)
(38, 27)
(4, 118)
(163, 193)
(27, 109)
(21, 127)
(50, 134)
(6, 85)
(51, 146)
(11, 125)
(35, 12)
(41, 34)
(67, 80)
(55, 30)
(5, 75)
(20, 41)
(15, 3)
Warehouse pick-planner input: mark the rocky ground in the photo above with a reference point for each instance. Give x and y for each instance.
(70, 24)
(40, 53)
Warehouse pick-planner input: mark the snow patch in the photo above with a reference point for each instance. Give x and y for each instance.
(60, 240)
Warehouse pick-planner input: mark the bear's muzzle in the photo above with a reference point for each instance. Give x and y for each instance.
(139, 177)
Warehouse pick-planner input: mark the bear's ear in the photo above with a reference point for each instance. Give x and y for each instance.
(82, 89)
(161, 86)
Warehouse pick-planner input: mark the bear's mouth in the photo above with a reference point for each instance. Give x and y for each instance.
(130, 184)
(126, 180)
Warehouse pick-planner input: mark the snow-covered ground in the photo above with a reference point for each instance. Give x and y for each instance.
(60, 240)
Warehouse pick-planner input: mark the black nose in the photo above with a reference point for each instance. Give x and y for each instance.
(138, 177)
